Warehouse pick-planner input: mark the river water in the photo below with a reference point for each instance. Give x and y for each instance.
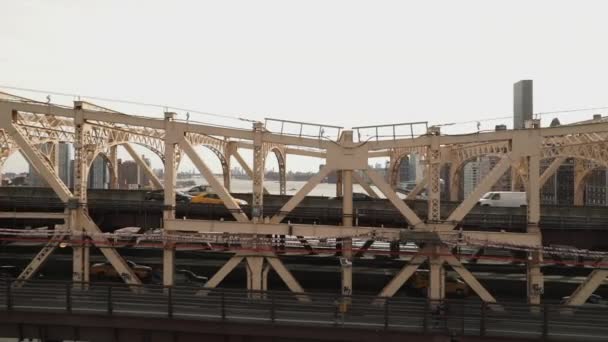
(273, 187)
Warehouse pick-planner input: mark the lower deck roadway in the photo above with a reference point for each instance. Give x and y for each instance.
(322, 273)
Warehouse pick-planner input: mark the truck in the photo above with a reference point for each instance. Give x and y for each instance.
(511, 199)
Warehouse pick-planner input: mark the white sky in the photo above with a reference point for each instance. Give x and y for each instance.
(345, 63)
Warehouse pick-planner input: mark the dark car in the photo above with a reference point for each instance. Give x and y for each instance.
(357, 196)
(106, 270)
(159, 195)
(593, 299)
(193, 278)
(8, 271)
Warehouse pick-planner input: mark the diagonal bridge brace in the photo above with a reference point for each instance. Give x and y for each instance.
(78, 218)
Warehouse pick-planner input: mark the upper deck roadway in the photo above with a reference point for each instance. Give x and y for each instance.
(129, 208)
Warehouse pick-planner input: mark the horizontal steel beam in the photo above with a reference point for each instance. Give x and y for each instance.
(32, 215)
(320, 231)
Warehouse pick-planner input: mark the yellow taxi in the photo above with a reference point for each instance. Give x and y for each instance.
(453, 284)
(208, 198)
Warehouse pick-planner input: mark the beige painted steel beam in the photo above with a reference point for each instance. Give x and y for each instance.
(484, 186)
(287, 277)
(347, 198)
(169, 265)
(550, 171)
(587, 287)
(418, 188)
(223, 271)
(255, 268)
(402, 276)
(299, 196)
(477, 238)
(390, 194)
(306, 153)
(370, 191)
(123, 270)
(33, 215)
(468, 277)
(41, 258)
(320, 231)
(156, 183)
(38, 161)
(229, 202)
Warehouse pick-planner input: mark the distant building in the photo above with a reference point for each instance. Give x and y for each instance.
(471, 176)
(99, 175)
(131, 176)
(486, 164)
(64, 156)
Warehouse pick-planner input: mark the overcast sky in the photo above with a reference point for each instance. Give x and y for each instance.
(344, 63)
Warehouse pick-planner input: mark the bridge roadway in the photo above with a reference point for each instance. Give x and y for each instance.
(103, 312)
(320, 273)
(583, 227)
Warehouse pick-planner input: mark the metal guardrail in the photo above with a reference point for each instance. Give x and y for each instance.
(450, 317)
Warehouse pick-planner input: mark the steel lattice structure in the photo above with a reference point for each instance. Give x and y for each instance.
(36, 128)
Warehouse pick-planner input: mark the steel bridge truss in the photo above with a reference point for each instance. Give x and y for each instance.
(31, 127)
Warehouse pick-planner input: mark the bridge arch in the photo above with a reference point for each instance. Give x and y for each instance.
(279, 153)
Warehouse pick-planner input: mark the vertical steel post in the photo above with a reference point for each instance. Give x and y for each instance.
(170, 302)
(545, 321)
(482, 319)
(534, 275)
(223, 304)
(76, 205)
(68, 297)
(110, 306)
(433, 169)
(257, 205)
(172, 138)
(386, 313)
(272, 308)
(9, 297)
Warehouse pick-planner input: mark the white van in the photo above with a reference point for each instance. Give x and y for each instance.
(503, 199)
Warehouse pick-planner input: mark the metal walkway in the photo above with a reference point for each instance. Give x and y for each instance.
(306, 311)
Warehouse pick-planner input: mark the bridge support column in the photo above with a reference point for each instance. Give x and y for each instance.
(255, 275)
(171, 145)
(436, 290)
(535, 282)
(433, 158)
(169, 264)
(172, 137)
(81, 252)
(257, 205)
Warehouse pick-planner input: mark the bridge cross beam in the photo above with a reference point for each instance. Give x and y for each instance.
(257, 273)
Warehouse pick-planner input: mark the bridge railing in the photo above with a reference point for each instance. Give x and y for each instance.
(455, 317)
